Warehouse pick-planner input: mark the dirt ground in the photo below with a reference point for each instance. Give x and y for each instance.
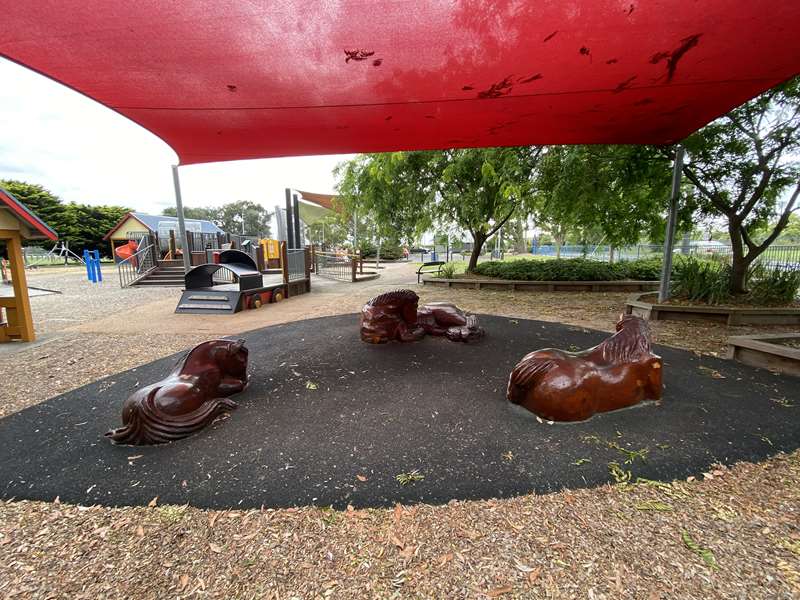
(729, 533)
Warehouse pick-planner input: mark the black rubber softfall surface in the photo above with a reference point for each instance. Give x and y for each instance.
(324, 410)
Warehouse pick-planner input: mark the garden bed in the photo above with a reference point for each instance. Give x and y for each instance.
(778, 351)
(487, 283)
(646, 306)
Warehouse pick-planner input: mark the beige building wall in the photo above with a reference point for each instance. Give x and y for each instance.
(130, 225)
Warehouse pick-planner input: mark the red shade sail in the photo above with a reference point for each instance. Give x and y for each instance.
(225, 80)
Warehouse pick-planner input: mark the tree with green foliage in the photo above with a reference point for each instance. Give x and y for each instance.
(82, 225)
(241, 218)
(47, 206)
(742, 165)
(477, 189)
(199, 213)
(480, 189)
(617, 192)
(388, 190)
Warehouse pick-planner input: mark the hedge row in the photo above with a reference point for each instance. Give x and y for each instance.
(571, 269)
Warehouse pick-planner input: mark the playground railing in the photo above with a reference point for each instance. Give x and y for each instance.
(334, 266)
(137, 265)
(296, 263)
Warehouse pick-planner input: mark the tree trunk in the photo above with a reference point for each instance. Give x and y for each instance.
(611, 255)
(478, 239)
(557, 240)
(739, 263)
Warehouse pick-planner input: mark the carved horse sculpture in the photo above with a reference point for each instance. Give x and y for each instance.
(188, 399)
(395, 316)
(566, 386)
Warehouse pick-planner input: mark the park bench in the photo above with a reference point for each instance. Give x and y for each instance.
(434, 267)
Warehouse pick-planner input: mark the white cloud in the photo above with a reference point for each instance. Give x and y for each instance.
(87, 153)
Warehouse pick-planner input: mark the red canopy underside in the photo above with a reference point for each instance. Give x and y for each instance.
(228, 79)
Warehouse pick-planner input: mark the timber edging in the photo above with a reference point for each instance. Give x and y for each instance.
(542, 286)
(762, 351)
(639, 306)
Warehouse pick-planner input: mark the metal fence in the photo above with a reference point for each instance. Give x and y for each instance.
(137, 265)
(334, 266)
(296, 263)
(775, 257)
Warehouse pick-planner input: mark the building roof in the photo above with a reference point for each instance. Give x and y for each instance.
(151, 222)
(39, 228)
(231, 80)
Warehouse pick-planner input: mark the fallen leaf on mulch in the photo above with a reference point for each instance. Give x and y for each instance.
(499, 591)
(361, 478)
(153, 502)
(712, 372)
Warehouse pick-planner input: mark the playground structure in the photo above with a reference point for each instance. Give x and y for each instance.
(17, 223)
(91, 258)
(231, 283)
(58, 254)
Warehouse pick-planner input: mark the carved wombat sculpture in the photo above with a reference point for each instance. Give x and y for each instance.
(396, 316)
(566, 386)
(188, 399)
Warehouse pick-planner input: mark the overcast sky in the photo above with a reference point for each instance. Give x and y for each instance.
(84, 152)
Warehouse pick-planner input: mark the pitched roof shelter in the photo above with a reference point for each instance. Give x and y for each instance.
(18, 223)
(136, 222)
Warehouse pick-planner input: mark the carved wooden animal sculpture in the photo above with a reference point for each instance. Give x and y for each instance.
(188, 399)
(395, 316)
(391, 316)
(444, 318)
(566, 386)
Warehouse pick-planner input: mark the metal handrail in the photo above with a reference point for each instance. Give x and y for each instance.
(144, 263)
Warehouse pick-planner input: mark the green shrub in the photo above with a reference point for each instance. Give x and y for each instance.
(701, 280)
(644, 269)
(772, 286)
(448, 270)
(570, 269)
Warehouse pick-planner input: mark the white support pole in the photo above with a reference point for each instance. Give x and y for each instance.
(672, 218)
(181, 223)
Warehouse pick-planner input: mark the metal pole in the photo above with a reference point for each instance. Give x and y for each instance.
(298, 239)
(669, 238)
(289, 221)
(181, 223)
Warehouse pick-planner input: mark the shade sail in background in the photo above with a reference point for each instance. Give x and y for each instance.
(225, 80)
(315, 207)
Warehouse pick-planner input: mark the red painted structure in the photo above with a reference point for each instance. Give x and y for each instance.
(227, 80)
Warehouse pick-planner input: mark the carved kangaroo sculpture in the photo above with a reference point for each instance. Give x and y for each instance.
(188, 399)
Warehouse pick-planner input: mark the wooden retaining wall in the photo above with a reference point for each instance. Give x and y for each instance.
(543, 286)
(638, 305)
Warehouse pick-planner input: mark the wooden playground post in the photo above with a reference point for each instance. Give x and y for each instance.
(354, 264)
(18, 308)
(284, 264)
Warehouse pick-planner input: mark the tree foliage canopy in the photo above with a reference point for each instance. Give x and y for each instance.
(82, 225)
(238, 217)
(742, 164)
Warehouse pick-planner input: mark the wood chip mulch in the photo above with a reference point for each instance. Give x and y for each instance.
(729, 533)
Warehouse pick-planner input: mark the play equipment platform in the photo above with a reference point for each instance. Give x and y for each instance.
(249, 288)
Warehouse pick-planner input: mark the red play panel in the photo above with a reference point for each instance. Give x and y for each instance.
(225, 80)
